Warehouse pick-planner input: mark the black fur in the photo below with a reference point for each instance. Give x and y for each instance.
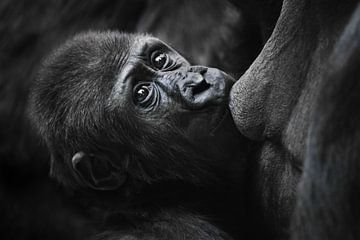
(167, 225)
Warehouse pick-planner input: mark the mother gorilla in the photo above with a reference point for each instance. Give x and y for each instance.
(312, 55)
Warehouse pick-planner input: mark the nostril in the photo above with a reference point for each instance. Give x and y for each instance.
(201, 87)
(203, 71)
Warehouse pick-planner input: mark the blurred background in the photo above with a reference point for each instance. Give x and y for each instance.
(223, 34)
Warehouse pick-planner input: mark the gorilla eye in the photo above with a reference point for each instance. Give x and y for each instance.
(159, 60)
(142, 93)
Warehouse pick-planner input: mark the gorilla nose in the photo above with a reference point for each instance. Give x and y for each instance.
(195, 84)
(201, 86)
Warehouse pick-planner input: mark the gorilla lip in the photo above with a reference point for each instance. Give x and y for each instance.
(202, 87)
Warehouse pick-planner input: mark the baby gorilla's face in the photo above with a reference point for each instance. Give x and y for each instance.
(159, 85)
(114, 105)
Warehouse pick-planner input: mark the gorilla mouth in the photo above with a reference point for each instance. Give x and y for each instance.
(200, 88)
(202, 95)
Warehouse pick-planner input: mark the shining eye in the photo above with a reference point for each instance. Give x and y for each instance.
(159, 60)
(142, 93)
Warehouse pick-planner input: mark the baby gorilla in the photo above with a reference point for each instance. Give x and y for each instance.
(127, 118)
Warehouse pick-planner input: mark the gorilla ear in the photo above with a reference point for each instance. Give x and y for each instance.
(97, 172)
